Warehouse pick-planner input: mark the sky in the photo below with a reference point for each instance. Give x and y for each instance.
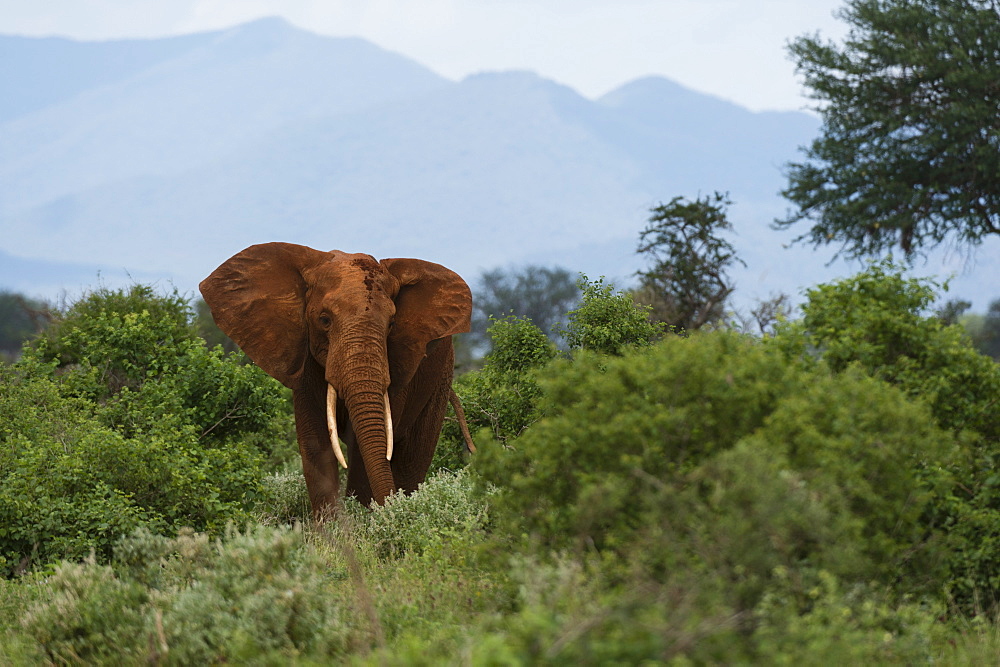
(734, 49)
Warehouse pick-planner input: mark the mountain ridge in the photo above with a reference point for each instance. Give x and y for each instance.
(266, 132)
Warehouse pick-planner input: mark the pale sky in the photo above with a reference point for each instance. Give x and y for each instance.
(734, 49)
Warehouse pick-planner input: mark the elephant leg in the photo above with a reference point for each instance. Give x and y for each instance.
(419, 439)
(319, 464)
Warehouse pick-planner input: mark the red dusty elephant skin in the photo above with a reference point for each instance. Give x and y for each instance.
(356, 340)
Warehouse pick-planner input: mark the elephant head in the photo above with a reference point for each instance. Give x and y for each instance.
(334, 324)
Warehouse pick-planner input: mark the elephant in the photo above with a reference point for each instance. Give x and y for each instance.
(365, 346)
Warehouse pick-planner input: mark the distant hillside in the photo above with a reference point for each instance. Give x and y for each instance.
(170, 155)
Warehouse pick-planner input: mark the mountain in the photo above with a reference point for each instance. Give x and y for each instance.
(170, 155)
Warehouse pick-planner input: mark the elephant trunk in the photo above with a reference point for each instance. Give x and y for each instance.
(367, 409)
(331, 420)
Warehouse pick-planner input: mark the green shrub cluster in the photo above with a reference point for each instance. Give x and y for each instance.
(715, 451)
(825, 494)
(879, 321)
(120, 417)
(503, 396)
(417, 522)
(609, 321)
(265, 595)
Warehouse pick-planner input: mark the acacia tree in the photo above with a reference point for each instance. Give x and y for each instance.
(687, 285)
(909, 151)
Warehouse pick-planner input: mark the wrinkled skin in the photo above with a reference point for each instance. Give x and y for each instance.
(367, 329)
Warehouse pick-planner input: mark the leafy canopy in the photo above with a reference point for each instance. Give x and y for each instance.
(687, 283)
(909, 152)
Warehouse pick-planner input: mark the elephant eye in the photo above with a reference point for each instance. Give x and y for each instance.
(325, 320)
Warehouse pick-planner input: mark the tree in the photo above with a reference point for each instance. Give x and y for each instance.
(20, 319)
(909, 151)
(537, 293)
(687, 284)
(206, 327)
(952, 310)
(988, 339)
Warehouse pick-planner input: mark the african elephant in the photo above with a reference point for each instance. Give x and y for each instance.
(356, 340)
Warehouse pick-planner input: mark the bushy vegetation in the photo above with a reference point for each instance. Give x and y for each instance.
(120, 417)
(828, 490)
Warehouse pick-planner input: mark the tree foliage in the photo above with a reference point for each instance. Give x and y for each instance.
(20, 319)
(880, 321)
(687, 283)
(909, 152)
(609, 321)
(540, 294)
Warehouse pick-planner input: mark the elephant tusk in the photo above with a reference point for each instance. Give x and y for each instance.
(331, 422)
(388, 429)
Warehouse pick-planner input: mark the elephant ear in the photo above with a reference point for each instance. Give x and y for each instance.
(257, 298)
(433, 302)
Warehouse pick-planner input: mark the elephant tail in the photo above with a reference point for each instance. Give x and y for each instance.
(462, 424)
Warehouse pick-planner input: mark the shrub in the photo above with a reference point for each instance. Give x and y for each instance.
(284, 498)
(120, 417)
(262, 595)
(879, 321)
(503, 395)
(846, 627)
(70, 485)
(259, 594)
(120, 336)
(607, 321)
(442, 508)
(716, 452)
(89, 617)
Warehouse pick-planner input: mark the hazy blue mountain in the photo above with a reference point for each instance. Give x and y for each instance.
(51, 70)
(201, 100)
(202, 145)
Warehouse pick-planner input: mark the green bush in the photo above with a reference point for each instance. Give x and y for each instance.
(855, 626)
(120, 417)
(880, 322)
(607, 321)
(716, 452)
(89, 617)
(137, 354)
(270, 595)
(503, 395)
(284, 498)
(69, 484)
(441, 509)
(119, 336)
(261, 593)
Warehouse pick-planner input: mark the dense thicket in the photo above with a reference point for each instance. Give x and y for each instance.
(120, 417)
(827, 490)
